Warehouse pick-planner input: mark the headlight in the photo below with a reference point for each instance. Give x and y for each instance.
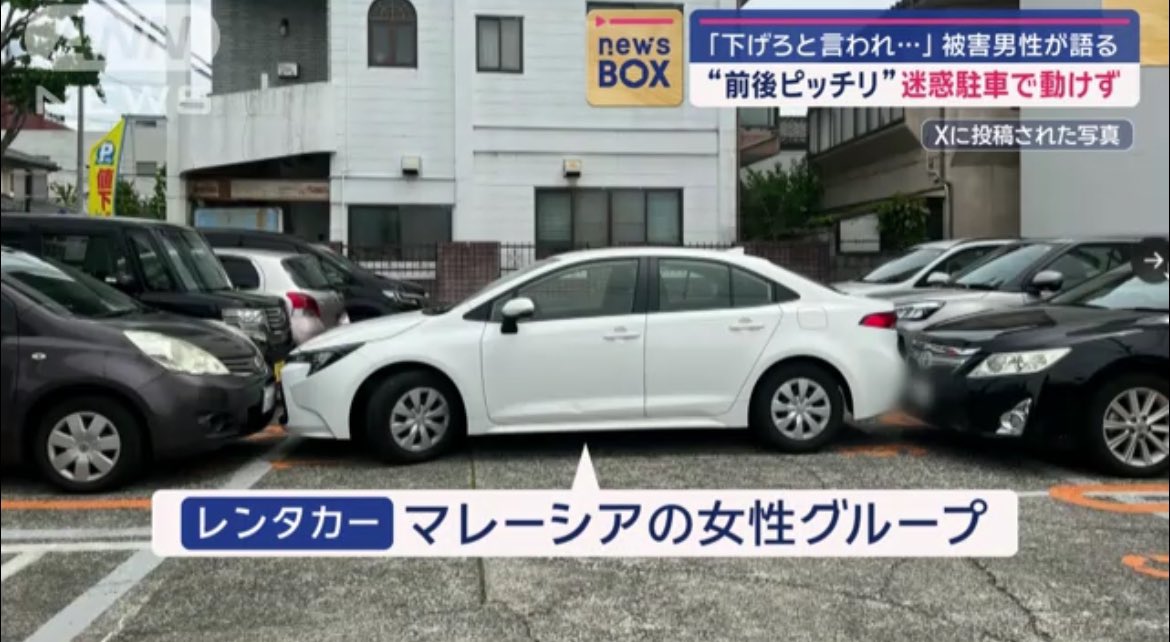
(1018, 363)
(175, 354)
(321, 359)
(918, 311)
(251, 321)
(393, 295)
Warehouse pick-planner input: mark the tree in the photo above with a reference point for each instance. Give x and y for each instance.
(128, 203)
(903, 222)
(126, 200)
(65, 194)
(157, 203)
(44, 50)
(779, 202)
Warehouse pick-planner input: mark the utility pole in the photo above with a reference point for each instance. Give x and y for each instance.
(82, 177)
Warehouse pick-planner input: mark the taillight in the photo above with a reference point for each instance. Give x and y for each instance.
(304, 304)
(883, 320)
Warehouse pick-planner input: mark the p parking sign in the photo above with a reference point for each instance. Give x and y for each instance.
(635, 58)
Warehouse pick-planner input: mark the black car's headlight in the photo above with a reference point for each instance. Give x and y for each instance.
(1003, 364)
(320, 359)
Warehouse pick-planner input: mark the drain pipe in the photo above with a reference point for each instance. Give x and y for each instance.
(948, 201)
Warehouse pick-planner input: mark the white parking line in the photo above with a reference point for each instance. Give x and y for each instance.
(51, 534)
(39, 548)
(75, 618)
(18, 563)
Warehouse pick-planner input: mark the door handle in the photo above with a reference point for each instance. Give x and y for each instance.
(621, 334)
(746, 325)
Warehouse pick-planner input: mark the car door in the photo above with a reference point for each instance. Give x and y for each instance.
(579, 358)
(9, 363)
(101, 254)
(709, 323)
(1084, 261)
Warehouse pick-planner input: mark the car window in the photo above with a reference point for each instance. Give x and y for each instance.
(241, 272)
(685, 286)
(306, 272)
(605, 288)
(64, 289)
(963, 259)
(903, 267)
(154, 269)
(194, 261)
(1121, 289)
(1006, 265)
(1085, 262)
(101, 256)
(336, 271)
(749, 290)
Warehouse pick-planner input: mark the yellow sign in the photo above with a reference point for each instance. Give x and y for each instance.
(1155, 28)
(635, 58)
(104, 158)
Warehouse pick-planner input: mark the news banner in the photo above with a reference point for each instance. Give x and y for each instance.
(587, 521)
(919, 58)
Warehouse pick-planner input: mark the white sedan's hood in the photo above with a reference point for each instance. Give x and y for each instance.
(364, 331)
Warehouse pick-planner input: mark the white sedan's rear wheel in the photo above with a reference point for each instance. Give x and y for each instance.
(798, 408)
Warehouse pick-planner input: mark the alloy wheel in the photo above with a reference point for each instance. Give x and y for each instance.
(84, 447)
(420, 419)
(801, 409)
(1136, 429)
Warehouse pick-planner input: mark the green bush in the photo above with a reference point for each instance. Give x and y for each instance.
(779, 202)
(903, 222)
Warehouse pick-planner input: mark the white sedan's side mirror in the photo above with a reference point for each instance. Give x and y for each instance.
(938, 278)
(513, 311)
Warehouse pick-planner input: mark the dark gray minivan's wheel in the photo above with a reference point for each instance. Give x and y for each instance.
(88, 444)
(1127, 426)
(413, 417)
(798, 408)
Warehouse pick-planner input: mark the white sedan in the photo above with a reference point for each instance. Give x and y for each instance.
(618, 339)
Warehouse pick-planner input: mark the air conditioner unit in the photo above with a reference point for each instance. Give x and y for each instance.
(288, 70)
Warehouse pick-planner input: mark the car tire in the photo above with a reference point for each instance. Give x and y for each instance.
(809, 408)
(89, 444)
(413, 417)
(1109, 433)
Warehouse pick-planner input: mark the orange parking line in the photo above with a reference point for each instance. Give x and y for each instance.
(1079, 496)
(1141, 564)
(271, 433)
(129, 503)
(883, 451)
(900, 420)
(285, 464)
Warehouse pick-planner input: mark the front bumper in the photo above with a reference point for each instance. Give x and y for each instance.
(299, 417)
(189, 414)
(981, 406)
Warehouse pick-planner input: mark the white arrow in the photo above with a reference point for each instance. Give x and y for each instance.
(1156, 260)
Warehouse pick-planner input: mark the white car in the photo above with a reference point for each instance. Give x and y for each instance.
(617, 339)
(923, 266)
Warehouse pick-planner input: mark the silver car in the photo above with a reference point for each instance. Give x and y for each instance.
(313, 307)
(924, 265)
(1019, 273)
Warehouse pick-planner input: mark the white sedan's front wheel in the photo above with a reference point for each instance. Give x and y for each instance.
(798, 408)
(413, 417)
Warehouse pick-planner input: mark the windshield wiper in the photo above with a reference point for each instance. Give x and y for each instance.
(114, 314)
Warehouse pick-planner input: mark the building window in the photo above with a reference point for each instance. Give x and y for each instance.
(567, 219)
(759, 117)
(405, 232)
(146, 168)
(393, 34)
(500, 44)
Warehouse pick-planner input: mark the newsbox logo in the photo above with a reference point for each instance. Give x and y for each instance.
(635, 58)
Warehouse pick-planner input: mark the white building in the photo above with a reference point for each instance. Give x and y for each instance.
(444, 120)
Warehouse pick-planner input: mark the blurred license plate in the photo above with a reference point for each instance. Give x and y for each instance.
(276, 369)
(269, 397)
(921, 392)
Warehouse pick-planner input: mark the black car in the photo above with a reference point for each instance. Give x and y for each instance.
(95, 385)
(367, 294)
(1090, 363)
(162, 265)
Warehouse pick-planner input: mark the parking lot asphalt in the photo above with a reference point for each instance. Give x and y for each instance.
(1091, 565)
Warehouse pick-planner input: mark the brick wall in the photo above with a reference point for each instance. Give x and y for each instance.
(250, 42)
(463, 268)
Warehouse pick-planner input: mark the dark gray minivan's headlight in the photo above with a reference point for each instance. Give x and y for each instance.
(320, 359)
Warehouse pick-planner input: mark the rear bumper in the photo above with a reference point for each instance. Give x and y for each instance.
(189, 415)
